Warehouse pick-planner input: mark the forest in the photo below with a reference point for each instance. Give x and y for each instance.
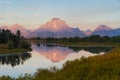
(94, 39)
(9, 41)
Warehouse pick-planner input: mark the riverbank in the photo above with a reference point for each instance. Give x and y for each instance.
(105, 67)
(89, 44)
(85, 44)
(94, 40)
(16, 50)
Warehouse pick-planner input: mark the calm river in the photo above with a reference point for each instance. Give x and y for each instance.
(44, 57)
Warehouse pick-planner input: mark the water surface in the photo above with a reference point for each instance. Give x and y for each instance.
(44, 57)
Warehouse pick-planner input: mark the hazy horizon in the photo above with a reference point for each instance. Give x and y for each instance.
(84, 14)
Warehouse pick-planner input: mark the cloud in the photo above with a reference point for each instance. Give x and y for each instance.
(1, 16)
(13, 15)
(35, 15)
(30, 8)
(4, 2)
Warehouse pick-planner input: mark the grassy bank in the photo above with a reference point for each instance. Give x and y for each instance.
(4, 49)
(105, 67)
(87, 44)
(16, 50)
(67, 43)
(88, 40)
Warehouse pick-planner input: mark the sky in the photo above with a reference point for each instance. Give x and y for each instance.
(84, 14)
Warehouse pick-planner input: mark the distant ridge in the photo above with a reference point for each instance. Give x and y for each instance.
(88, 32)
(58, 28)
(104, 30)
(102, 27)
(16, 27)
(55, 25)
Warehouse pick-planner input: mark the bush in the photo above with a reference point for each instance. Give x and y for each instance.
(6, 78)
(10, 44)
(24, 44)
(105, 67)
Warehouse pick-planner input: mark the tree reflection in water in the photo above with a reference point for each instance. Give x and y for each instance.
(94, 50)
(91, 49)
(14, 59)
(57, 53)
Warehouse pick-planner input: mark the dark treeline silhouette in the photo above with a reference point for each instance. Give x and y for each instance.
(93, 38)
(13, 40)
(14, 59)
(91, 49)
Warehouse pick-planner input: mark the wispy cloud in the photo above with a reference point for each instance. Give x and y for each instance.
(13, 15)
(35, 15)
(1, 16)
(30, 8)
(4, 2)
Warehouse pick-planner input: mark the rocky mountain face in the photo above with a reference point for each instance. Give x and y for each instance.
(16, 27)
(88, 32)
(102, 27)
(58, 28)
(55, 25)
(104, 30)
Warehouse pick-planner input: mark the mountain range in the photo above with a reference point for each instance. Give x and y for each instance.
(58, 28)
(15, 27)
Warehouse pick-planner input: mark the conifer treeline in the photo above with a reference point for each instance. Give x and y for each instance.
(93, 38)
(13, 40)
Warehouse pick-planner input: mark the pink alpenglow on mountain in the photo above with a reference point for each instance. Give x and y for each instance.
(14, 28)
(4, 27)
(88, 32)
(56, 28)
(102, 27)
(55, 24)
(104, 30)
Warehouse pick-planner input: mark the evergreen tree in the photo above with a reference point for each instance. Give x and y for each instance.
(13, 40)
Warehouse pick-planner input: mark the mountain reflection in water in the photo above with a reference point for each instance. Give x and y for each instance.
(54, 53)
(44, 57)
(57, 53)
